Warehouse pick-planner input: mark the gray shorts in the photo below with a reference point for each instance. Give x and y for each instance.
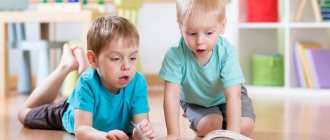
(195, 112)
(47, 116)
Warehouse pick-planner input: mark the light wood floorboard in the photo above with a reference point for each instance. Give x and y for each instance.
(279, 117)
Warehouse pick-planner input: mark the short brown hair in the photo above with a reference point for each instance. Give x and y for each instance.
(192, 8)
(108, 28)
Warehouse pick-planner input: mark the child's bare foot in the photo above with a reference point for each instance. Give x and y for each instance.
(80, 57)
(68, 60)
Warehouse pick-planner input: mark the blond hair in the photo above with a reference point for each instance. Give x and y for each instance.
(200, 8)
(110, 28)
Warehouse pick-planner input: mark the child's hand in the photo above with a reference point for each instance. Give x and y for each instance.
(146, 129)
(117, 135)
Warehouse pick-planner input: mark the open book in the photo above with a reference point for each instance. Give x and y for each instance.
(225, 135)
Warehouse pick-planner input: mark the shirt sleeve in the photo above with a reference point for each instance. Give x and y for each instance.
(231, 73)
(84, 99)
(140, 99)
(171, 69)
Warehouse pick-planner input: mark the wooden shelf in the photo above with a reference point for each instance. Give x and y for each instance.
(284, 90)
(310, 25)
(260, 25)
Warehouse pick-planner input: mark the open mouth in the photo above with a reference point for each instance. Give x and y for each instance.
(200, 51)
(123, 79)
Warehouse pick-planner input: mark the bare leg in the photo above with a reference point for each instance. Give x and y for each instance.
(247, 126)
(47, 92)
(209, 123)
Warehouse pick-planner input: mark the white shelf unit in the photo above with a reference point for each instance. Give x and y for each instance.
(277, 37)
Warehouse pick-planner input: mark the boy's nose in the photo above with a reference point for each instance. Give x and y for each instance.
(200, 40)
(125, 65)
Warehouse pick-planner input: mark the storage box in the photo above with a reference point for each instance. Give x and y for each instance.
(262, 11)
(267, 70)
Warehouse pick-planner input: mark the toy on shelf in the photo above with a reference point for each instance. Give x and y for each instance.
(262, 11)
(128, 8)
(268, 69)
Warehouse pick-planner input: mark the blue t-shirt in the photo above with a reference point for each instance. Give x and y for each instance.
(202, 85)
(110, 111)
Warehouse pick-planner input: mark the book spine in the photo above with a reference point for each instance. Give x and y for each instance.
(300, 11)
(316, 10)
(312, 68)
(300, 73)
(305, 66)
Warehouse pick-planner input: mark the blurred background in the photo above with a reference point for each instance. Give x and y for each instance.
(282, 45)
(265, 38)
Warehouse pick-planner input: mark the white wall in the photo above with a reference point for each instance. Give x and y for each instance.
(158, 30)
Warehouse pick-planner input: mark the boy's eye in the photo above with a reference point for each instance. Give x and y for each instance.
(133, 58)
(114, 59)
(192, 34)
(209, 33)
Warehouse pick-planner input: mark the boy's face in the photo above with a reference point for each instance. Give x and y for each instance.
(116, 65)
(201, 34)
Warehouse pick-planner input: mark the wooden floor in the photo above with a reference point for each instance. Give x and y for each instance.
(279, 117)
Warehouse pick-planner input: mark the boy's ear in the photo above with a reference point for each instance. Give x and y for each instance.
(223, 26)
(91, 59)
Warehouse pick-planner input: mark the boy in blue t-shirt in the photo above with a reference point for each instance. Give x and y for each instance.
(107, 96)
(202, 73)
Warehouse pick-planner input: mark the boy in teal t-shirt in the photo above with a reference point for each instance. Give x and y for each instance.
(203, 75)
(108, 95)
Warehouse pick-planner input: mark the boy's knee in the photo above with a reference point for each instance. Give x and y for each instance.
(209, 123)
(247, 126)
(22, 114)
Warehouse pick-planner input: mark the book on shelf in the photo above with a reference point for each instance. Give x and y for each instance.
(325, 9)
(225, 134)
(311, 63)
(315, 8)
(305, 66)
(297, 60)
(319, 60)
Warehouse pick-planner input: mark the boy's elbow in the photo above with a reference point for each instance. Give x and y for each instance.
(79, 131)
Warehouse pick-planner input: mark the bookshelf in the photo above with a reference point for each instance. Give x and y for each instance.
(277, 37)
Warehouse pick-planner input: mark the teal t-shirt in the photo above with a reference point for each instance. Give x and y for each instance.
(110, 111)
(202, 85)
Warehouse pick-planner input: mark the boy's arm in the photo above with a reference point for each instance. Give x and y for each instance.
(172, 109)
(85, 131)
(145, 126)
(233, 108)
(83, 126)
